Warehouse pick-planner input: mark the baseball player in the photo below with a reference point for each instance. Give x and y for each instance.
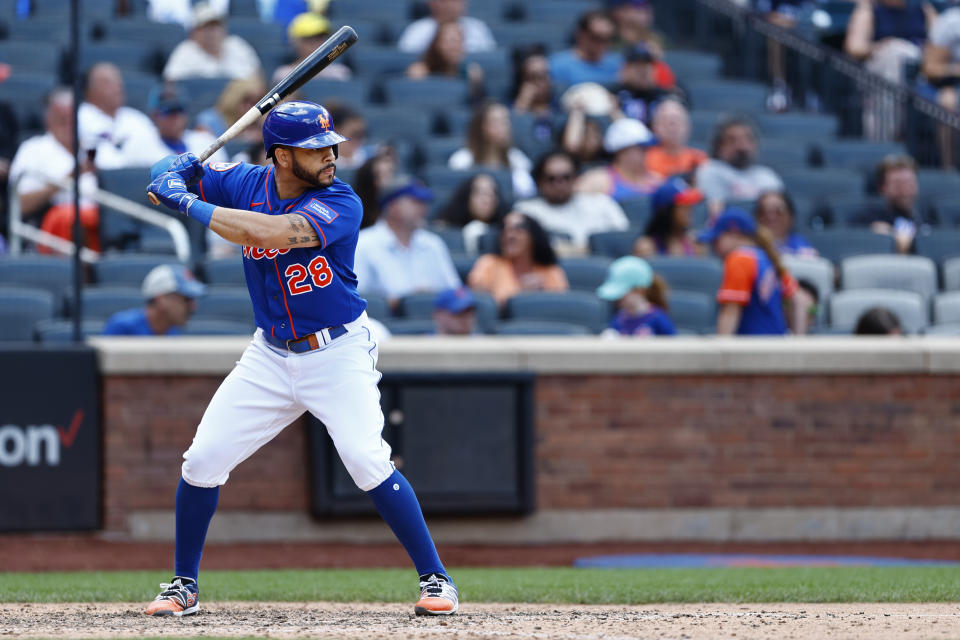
(313, 349)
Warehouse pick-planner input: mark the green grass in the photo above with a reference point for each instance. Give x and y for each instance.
(544, 585)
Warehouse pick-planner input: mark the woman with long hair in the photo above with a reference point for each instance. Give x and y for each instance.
(474, 207)
(757, 296)
(524, 261)
(490, 144)
(640, 296)
(370, 179)
(775, 211)
(446, 57)
(669, 231)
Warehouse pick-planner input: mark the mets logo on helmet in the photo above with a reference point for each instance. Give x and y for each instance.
(323, 120)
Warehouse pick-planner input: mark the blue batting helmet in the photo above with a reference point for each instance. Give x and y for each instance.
(306, 125)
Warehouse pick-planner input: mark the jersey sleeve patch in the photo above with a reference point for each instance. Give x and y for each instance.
(321, 210)
(222, 166)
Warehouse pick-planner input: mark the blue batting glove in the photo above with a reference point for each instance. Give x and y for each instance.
(161, 166)
(188, 166)
(170, 189)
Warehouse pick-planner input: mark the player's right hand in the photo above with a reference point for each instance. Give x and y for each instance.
(171, 190)
(189, 167)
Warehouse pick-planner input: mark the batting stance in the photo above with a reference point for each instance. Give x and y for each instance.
(312, 351)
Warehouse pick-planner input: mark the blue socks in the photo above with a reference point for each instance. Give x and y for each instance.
(397, 503)
(195, 508)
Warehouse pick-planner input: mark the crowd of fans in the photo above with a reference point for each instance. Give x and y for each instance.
(605, 126)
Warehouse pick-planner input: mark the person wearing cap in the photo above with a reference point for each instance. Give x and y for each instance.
(306, 32)
(209, 51)
(397, 256)
(638, 91)
(640, 296)
(757, 295)
(455, 312)
(524, 261)
(671, 155)
(669, 232)
(170, 292)
(169, 115)
(626, 177)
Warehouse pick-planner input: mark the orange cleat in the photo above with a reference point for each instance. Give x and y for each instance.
(178, 598)
(438, 596)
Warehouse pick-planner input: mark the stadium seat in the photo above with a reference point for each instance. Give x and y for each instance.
(21, 309)
(381, 62)
(511, 35)
(691, 66)
(463, 263)
(226, 272)
(844, 210)
(703, 123)
(209, 327)
(61, 331)
(946, 307)
(31, 56)
(144, 31)
(24, 92)
(693, 311)
(577, 307)
(51, 273)
(225, 303)
(613, 244)
(405, 123)
(541, 328)
(377, 305)
(354, 93)
(935, 182)
(638, 211)
(783, 154)
(690, 274)
(839, 244)
(410, 326)
(728, 95)
(128, 56)
(939, 245)
(257, 32)
(118, 230)
(587, 273)
(129, 270)
(823, 182)
(137, 87)
(45, 29)
(444, 178)
(452, 237)
(911, 309)
(803, 126)
(244, 9)
(943, 330)
(203, 92)
(951, 274)
(857, 154)
(818, 271)
(430, 92)
(437, 150)
(420, 306)
(906, 273)
(369, 9)
(99, 303)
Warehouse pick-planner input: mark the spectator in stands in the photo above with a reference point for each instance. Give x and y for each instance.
(569, 217)
(731, 174)
(941, 66)
(900, 215)
(878, 321)
(886, 34)
(235, 100)
(524, 261)
(670, 230)
(776, 213)
(787, 14)
(445, 57)
(180, 11)
(670, 155)
(634, 24)
(532, 90)
(490, 145)
(169, 114)
(583, 138)
(352, 125)
(306, 32)
(475, 207)
(756, 286)
(209, 51)
(640, 296)
(626, 177)
(170, 292)
(371, 177)
(638, 92)
(418, 34)
(121, 135)
(590, 59)
(397, 256)
(455, 312)
(42, 159)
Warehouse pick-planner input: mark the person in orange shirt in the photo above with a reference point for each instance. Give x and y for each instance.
(671, 156)
(525, 261)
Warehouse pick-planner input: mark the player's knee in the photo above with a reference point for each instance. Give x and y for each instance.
(203, 468)
(367, 469)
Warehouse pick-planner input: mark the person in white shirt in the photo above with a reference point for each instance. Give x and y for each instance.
(569, 217)
(397, 256)
(122, 136)
(210, 52)
(169, 114)
(40, 160)
(419, 34)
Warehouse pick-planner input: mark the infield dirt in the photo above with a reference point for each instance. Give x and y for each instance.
(365, 621)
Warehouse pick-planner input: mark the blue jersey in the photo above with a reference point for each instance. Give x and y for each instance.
(654, 322)
(133, 322)
(750, 280)
(297, 291)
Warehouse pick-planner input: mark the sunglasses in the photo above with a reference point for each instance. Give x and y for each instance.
(602, 38)
(558, 177)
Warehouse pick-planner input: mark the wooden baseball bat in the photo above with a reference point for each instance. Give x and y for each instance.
(313, 64)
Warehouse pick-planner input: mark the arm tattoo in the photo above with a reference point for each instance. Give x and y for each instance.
(296, 240)
(296, 221)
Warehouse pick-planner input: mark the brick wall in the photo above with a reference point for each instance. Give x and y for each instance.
(614, 441)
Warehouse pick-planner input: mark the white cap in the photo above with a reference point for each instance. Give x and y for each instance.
(592, 97)
(626, 132)
(206, 12)
(171, 278)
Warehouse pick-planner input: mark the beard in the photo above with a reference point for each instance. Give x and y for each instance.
(317, 179)
(741, 160)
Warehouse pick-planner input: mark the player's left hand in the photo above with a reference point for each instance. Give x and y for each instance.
(189, 167)
(171, 190)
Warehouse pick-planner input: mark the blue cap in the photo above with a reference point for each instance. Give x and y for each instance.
(165, 99)
(675, 191)
(455, 300)
(732, 219)
(171, 278)
(405, 186)
(624, 275)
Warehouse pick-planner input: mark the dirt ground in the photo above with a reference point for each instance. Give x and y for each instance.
(483, 621)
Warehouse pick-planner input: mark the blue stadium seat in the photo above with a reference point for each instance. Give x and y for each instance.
(31, 56)
(587, 273)
(444, 178)
(823, 182)
(638, 210)
(430, 92)
(393, 11)
(128, 56)
(144, 31)
(355, 93)
(116, 229)
(61, 9)
(808, 127)
(452, 237)
(939, 245)
(693, 311)
(844, 210)
(437, 150)
(951, 274)
(257, 32)
(244, 9)
(420, 306)
(836, 245)
(703, 123)
(226, 272)
(45, 29)
(541, 328)
(576, 307)
(24, 92)
(201, 93)
(137, 86)
(906, 273)
(377, 62)
(818, 271)
(377, 305)
(404, 123)
(61, 331)
(463, 263)
(946, 307)
(226, 303)
(691, 66)
(689, 274)
(205, 327)
(857, 154)
(613, 244)
(935, 182)
(951, 330)
(372, 32)
(910, 307)
(51, 273)
(519, 34)
(783, 154)
(129, 269)
(99, 303)
(410, 326)
(21, 309)
(728, 95)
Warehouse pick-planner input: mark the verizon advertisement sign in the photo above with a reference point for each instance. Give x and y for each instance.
(49, 440)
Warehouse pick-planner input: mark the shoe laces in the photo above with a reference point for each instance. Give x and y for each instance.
(436, 586)
(177, 589)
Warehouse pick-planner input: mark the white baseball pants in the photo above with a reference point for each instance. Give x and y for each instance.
(270, 388)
